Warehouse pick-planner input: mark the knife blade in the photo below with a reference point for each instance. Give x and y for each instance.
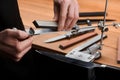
(71, 33)
(55, 38)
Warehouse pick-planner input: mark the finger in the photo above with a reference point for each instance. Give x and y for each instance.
(16, 57)
(63, 14)
(12, 38)
(16, 47)
(23, 44)
(19, 56)
(18, 34)
(75, 19)
(56, 11)
(70, 17)
(15, 53)
(7, 52)
(6, 49)
(21, 35)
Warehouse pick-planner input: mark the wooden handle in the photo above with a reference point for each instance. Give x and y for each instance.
(118, 52)
(75, 40)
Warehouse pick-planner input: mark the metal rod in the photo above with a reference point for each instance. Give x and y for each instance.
(102, 30)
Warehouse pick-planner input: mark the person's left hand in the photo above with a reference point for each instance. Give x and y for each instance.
(14, 44)
(66, 12)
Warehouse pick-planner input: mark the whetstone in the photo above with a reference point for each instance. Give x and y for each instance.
(118, 52)
(75, 40)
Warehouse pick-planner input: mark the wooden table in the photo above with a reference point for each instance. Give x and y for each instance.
(43, 10)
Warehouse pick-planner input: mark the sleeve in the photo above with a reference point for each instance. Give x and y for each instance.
(9, 15)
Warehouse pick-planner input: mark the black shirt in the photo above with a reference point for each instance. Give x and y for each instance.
(9, 18)
(9, 15)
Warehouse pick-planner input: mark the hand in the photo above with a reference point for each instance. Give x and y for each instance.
(66, 12)
(14, 44)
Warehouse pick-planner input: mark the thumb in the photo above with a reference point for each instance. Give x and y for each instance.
(21, 35)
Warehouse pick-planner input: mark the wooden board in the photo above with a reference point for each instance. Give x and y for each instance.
(43, 9)
(109, 50)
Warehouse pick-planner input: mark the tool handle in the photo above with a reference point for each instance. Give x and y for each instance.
(91, 14)
(75, 40)
(118, 52)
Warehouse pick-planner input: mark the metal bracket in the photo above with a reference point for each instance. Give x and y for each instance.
(91, 50)
(88, 55)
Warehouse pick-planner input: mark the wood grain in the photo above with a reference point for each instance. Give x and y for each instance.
(43, 10)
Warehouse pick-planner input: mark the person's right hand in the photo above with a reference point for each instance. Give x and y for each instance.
(66, 13)
(14, 44)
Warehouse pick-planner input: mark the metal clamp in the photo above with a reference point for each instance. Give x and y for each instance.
(88, 55)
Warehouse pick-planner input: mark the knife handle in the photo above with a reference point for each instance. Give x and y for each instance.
(91, 14)
(75, 40)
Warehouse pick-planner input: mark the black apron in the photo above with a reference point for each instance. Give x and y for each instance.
(9, 18)
(9, 15)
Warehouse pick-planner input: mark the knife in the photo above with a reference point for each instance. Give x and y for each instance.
(71, 33)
